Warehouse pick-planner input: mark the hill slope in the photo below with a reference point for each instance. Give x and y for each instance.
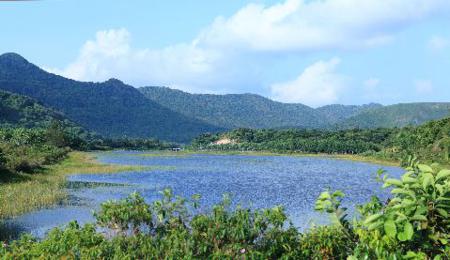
(110, 108)
(398, 115)
(22, 111)
(336, 113)
(253, 111)
(236, 110)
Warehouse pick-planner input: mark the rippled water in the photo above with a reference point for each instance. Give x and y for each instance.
(252, 181)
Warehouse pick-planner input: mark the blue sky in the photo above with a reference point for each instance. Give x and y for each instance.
(307, 51)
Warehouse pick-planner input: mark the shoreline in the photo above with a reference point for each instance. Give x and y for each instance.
(46, 187)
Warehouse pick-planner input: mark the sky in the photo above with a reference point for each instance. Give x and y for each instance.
(314, 52)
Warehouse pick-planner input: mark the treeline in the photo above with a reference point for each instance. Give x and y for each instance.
(28, 149)
(429, 142)
(310, 141)
(413, 224)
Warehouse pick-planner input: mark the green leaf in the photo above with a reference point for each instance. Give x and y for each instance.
(372, 218)
(442, 212)
(375, 225)
(428, 180)
(419, 218)
(394, 182)
(390, 228)
(425, 168)
(408, 229)
(442, 174)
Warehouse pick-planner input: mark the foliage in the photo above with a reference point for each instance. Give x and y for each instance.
(429, 142)
(399, 115)
(413, 224)
(254, 111)
(21, 193)
(28, 149)
(235, 110)
(308, 141)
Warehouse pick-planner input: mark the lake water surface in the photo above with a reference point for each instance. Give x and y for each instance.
(251, 180)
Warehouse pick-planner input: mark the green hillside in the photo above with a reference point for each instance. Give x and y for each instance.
(398, 115)
(336, 113)
(111, 108)
(236, 110)
(21, 111)
(254, 111)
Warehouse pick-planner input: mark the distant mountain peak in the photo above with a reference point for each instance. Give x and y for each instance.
(114, 81)
(13, 58)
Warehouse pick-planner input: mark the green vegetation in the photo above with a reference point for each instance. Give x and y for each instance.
(233, 111)
(21, 111)
(34, 163)
(23, 192)
(111, 108)
(429, 142)
(253, 111)
(414, 224)
(399, 115)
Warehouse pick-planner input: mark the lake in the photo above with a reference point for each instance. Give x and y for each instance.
(252, 181)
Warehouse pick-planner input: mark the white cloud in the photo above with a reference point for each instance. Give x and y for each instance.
(423, 86)
(438, 43)
(110, 55)
(215, 61)
(310, 25)
(371, 84)
(317, 85)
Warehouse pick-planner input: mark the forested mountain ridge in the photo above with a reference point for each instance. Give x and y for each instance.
(236, 110)
(254, 111)
(111, 108)
(337, 113)
(398, 115)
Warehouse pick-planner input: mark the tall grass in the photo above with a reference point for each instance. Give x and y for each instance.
(28, 192)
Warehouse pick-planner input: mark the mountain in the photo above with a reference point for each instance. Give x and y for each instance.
(22, 111)
(111, 108)
(253, 111)
(336, 113)
(115, 109)
(398, 115)
(236, 110)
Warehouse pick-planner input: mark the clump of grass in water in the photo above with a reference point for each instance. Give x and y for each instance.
(47, 187)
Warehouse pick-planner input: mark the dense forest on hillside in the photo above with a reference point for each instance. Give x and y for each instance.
(111, 108)
(430, 141)
(399, 115)
(254, 111)
(21, 111)
(236, 110)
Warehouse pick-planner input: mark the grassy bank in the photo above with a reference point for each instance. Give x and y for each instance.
(26, 192)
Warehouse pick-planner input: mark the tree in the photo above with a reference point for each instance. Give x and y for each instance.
(444, 143)
(56, 134)
(2, 159)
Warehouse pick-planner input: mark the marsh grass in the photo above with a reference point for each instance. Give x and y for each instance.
(27, 192)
